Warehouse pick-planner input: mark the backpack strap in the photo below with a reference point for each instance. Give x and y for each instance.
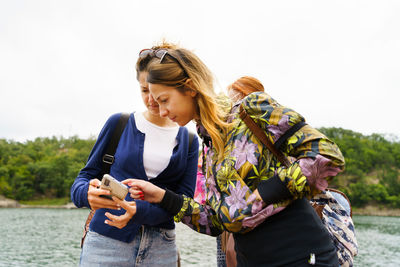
(289, 133)
(108, 157)
(191, 137)
(260, 134)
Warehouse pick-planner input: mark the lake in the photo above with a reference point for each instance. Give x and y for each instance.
(51, 237)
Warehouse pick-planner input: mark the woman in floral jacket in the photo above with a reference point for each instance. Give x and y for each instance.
(249, 192)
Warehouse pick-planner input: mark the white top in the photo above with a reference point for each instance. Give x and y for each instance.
(159, 143)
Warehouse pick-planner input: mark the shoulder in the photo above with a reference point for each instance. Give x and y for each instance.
(259, 99)
(185, 134)
(114, 118)
(263, 106)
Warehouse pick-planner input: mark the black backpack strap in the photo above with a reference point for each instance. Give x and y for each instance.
(289, 133)
(108, 157)
(191, 137)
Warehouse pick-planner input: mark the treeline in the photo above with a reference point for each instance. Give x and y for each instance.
(47, 167)
(372, 167)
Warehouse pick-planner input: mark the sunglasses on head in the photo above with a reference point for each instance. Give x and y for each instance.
(161, 54)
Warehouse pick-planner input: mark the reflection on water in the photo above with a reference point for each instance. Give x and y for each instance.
(51, 237)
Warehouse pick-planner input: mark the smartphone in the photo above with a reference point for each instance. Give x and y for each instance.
(116, 188)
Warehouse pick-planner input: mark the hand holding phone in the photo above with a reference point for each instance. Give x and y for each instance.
(115, 187)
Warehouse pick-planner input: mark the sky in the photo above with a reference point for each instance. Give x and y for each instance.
(67, 65)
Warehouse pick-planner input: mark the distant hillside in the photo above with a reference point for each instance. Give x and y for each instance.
(372, 167)
(47, 167)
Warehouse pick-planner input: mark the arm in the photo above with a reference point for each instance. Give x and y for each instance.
(152, 214)
(244, 207)
(200, 218)
(187, 183)
(317, 160)
(84, 191)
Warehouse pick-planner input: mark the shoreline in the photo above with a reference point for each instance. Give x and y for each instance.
(369, 210)
(372, 210)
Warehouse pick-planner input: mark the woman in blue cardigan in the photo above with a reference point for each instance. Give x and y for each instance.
(151, 148)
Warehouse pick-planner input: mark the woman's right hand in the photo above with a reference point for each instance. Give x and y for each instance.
(98, 202)
(140, 189)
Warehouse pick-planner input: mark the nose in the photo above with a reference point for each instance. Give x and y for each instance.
(151, 100)
(163, 112)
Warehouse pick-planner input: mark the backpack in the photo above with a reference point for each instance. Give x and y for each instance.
(108, 160)
(332, 206)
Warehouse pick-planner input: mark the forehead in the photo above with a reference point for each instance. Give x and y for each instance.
(142, 77)
(158, 90)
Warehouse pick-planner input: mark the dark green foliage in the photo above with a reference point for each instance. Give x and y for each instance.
(45, 167)
(372, 167)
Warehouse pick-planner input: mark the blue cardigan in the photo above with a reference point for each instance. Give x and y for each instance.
(179, 176)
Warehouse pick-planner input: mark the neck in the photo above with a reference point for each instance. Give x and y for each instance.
(157, 120)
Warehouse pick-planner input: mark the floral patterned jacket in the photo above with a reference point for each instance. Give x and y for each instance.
(247, 165)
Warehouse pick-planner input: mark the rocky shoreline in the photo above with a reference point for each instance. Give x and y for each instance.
(8, 203)
(11, 203)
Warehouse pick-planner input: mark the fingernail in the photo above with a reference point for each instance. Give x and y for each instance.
(105, 222)
(130, 184)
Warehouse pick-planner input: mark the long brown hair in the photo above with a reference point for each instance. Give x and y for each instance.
(183, 70)
(142, 63)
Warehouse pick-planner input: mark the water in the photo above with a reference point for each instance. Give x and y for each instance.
(51, 237)
(379, 241)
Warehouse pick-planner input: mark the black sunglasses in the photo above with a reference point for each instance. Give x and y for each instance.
(161, 53)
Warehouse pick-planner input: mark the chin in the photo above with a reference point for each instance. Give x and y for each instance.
(182, 123)
(154, 111)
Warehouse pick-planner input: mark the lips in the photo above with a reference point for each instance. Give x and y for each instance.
(173, 119)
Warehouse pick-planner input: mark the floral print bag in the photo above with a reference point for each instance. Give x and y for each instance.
(333, 207)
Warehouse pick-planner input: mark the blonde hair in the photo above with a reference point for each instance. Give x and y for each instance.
(183, 70)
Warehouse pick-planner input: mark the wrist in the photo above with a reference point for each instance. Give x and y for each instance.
(161, 195)
(171, 202)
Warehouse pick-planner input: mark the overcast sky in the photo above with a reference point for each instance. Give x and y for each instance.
(66, 66)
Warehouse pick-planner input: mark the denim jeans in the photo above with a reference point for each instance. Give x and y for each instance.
(152, 246)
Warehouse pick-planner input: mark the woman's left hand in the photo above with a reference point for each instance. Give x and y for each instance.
(122, 220)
